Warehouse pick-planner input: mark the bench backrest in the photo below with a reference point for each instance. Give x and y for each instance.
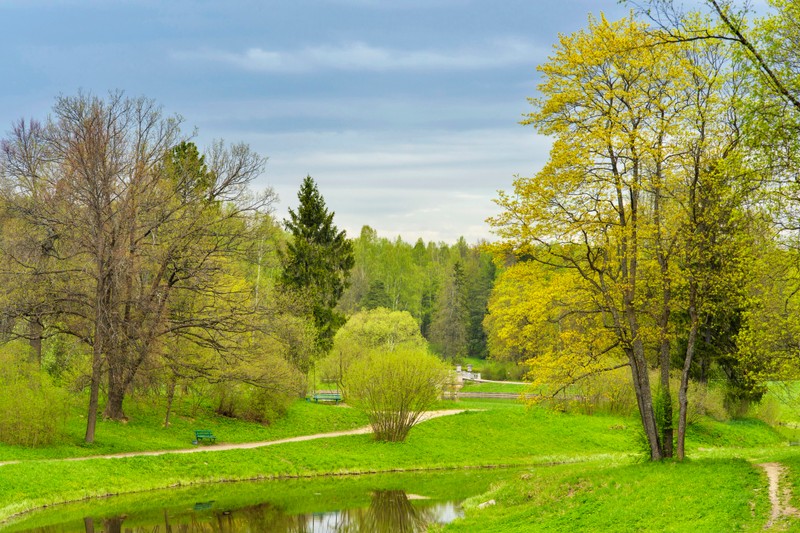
(203, 433)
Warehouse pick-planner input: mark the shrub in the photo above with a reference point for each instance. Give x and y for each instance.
(33, 410)
(246, 402)
(395, 388)
(705, 401)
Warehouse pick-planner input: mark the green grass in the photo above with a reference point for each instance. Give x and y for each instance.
(640, 497)
(494, 387)
(503, 436)
(477, 364)
(502, 433)
(145, 431)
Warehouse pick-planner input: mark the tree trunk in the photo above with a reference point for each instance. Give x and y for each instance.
(667, 430)
(94, 393)
(644, 398)
(116, 394)
(170, 395)
(683, 396)
(35, 330)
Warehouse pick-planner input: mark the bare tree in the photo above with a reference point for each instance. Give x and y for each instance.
(136, 226)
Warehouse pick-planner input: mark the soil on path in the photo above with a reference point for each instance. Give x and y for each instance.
(246, 445)
(779, 498)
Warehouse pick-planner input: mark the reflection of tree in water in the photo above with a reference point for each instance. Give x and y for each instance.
(389, 511)
(255, 519)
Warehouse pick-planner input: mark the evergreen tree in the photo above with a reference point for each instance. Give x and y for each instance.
(449, 327)
(317, 260)
(376, 297)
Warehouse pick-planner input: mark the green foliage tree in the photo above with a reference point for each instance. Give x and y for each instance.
(642, 198)
(451, 321)
(395, 389)
(376, 297)
(317, 261)
(375, 329)
(139, 231)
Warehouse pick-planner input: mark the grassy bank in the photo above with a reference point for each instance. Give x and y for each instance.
(503, 433)
(145, 430)
(510, 435)
(637, 497)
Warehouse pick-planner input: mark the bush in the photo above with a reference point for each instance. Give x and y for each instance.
(395, 388)
(246, 402)
(705, 401)
(259, 390)
(33, 410)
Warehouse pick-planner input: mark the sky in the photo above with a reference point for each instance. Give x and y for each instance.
(405, 112)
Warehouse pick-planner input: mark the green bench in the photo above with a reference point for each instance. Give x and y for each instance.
(203, 434)
(326, 397)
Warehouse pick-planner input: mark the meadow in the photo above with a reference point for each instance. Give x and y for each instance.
(579, 472)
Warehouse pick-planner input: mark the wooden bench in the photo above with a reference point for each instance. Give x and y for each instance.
(203, 434)
(326, 397)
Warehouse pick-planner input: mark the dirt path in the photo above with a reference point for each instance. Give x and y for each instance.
(246, 445)
(779, 498)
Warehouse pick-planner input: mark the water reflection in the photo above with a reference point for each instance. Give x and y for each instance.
(388, 511)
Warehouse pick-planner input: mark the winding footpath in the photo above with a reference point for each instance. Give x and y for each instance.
(779, 499)
(247, 445)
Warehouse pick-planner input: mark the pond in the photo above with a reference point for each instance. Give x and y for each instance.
(376, 503)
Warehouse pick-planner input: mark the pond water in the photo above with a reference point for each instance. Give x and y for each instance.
(393, 503)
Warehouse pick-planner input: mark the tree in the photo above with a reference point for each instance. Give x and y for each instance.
(317, 261)
(395, 388)
(138, 229)
(376, 297)
(645, 141)
(448, 331)
(375, 329)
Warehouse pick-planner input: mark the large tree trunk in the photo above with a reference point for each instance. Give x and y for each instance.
(116, 392)
(35, 330)
(644, 398)
(683, 396)
(94, 391)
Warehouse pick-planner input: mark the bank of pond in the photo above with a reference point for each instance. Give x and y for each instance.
(371, 503)
(544, 471)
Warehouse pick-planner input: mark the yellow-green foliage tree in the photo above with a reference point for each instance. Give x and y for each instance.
(644, 136)
(366, 331)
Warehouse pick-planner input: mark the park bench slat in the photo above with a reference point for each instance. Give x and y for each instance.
(203, 434)
(326, 397)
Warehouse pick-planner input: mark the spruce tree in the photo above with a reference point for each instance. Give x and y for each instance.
(317, 261)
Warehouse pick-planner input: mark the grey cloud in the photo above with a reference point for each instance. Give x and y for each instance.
(360, 56)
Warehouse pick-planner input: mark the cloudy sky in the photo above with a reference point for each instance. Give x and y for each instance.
(404, 111)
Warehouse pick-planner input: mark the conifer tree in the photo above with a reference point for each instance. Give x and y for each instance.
(317, 260)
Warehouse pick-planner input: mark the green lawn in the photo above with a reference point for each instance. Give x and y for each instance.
(704, 495)
(145, 431)
(494, 387)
